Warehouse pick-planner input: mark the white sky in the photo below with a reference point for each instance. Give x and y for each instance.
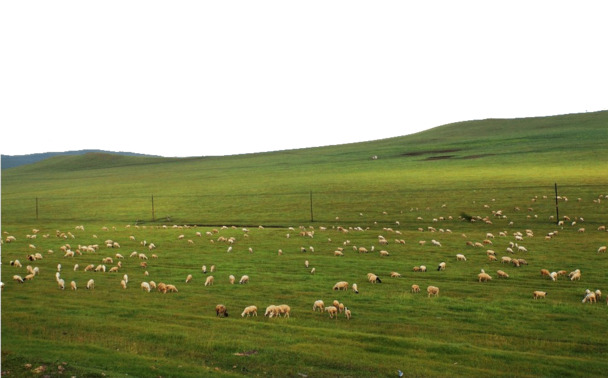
(195, 78)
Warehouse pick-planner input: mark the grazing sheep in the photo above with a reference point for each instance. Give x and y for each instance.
(113, 269)
(355, 288)
(338, 253)
(575, 275)
(271, 311)
(539, 294)
(123, 283)
(209, 281)
(204, 269)
(415, 288)
(505, 260)
(313, 270)
(590, 297)
(91, 284)
(598, 294)
(502, 274)
(89, 268)
(171, 288)
(284, 310)
(441, 266)
(220, 309)
(342, 285)
(250, 311)
(347, 313)
(244, 279)
(306, 263)
(231, 279)
(461, 257)
(17, 264)
(146, 286)
(384, 253)
(189, 278)
(162, 287)
(75, 267)
(152, 285)
(332, 311)
(545, 272)
(484, 277)
(432, 291)
(61, 283)
(73, 285)
(601, 249)
(436, 243)
(422, 268)
(372, 278)
(318, 305)
(395, 275)
(18, 278)
(553, 276)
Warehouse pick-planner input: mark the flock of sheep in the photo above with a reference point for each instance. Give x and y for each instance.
(116, 260)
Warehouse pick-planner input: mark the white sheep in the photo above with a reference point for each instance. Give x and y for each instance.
(244, 279)
(231, 278)
(123, 283)
(318, 305)
(250, 311)
(539, 294)
(432, 291)
(61, 283)
(484, 277)
(189, 278)
(347, 313)
(372, 278)
(209, 281)
(146, 286)
(355, 288)
(441, 266)
(91, 284)
(73, 285)
(342, 285)
(502, 274)
(284, 310)
(461, 257)
(601, 249)
(18, 278)
(220, 309)
(271, 311)
(415, 288)
(553, 276)
(332, 311)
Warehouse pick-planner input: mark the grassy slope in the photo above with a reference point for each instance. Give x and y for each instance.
(471, 329)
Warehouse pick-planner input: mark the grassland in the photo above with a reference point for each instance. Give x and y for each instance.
(439, 178)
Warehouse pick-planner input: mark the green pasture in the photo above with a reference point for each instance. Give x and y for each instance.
(446, 184)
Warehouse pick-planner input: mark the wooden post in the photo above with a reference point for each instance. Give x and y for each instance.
(153, 219)
(556, 206)
(311, 214)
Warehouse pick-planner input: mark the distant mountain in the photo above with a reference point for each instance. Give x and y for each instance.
(11, 161)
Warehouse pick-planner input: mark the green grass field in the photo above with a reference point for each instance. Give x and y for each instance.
(452, 179)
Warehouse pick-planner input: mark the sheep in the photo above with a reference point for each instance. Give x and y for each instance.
(306, 263)
(432, 291)
(355, 288)
(601, 249)
(505, 260)
(318, 305)
(107, 260)
(30, 277)
(171, 288)
(395, 275)
(313, 270)
(461, 257)
(204, 269)
(544, 272)
(341, 307)
(575, 276)
(598, 294)
(142, 256)
(145, 286)
(231, 279)
(436, 243)
(338, 253)
(590, 297)
(502, 274)
(89, 268)
(415, 288)
(441, 266)
(347, 313)
(244, 279)
(189, 278)
(332, 311)
(553, 276)
(220, 309)
(484, 277)
(91, 284)
(271, 311)
(18, 278)
(384, 253)
(422, 268)
(123, 284)
(17, 264)
(212, 269)
(73, 285)
(61, 283)
(372, 278)
(162, 287)
(250, 311)
(284, 310)
(539, 294)
(209, 281)
(152, 285)
(342, 285)
(75, 267)
(113, 269)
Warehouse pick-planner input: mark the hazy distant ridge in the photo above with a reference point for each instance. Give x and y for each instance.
(11, 161)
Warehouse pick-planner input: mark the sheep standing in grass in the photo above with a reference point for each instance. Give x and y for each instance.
(250, 311)
(332, 311)
(18, 278)
(461, 257)
(575, 275)
(73, 285)
(123, 284)
(244, 279)
(318, 305)
(171, 288)
(220, 310)
(372, 278)
(284, 310)
(231, 279)
(347, 313)
(601, 249)
(209, 281)
(484, 277)
(502, 274)
(539, 294)
(271, 311)
(189, 278)
(590, 297)
(342, 285)
(432, 291)
(91, 284)
(146, 286)
(441, 266)
(395, 275)
(61, 283)
(355, 288)
(415, 288)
